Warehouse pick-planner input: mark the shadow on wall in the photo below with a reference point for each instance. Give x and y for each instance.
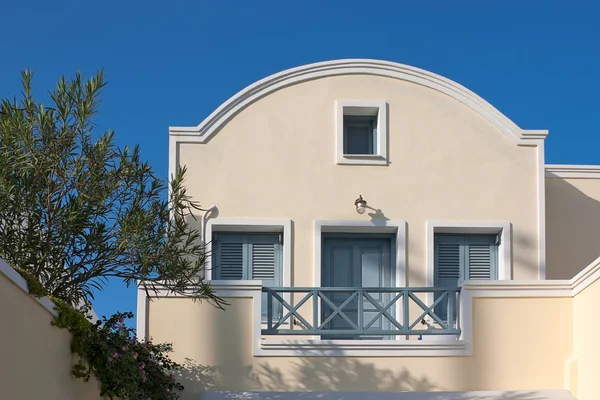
(337, 374)
(526, 257)
(572, 229)
(332, 378)
(227, 367)
(196, 378)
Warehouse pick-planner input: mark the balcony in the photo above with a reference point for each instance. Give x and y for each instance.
(360, 313)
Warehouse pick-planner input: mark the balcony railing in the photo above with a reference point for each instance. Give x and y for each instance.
(335, 312)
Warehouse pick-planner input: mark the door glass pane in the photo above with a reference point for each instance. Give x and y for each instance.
(340, 275)
(372, 277)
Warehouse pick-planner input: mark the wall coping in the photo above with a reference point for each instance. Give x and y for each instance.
(16, 278)
(441, 346)
(468, 395)
(20, 282)
(572, 171)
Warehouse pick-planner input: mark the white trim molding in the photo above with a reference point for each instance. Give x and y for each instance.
(361, 348)
(362, 107)
(16, 278)
(395, 227)
(503, 228)
(141, 315)
(213, 123)
(251, 226)
(436, 347)
(541, 210)
(573, 171)
(585, 278)
(247, 96)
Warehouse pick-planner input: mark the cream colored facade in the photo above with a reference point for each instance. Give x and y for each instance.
(269, 158)
(573, 219)
(35, 357)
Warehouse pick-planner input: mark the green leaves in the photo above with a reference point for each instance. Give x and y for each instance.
(125, 367)
(76, 210)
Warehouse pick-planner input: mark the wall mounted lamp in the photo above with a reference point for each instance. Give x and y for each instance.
(361, 204)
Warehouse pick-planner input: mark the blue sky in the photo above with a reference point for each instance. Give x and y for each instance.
(173, 63)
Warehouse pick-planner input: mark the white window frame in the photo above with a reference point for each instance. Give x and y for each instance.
(222, 225)
(366, 108)
(502, 228)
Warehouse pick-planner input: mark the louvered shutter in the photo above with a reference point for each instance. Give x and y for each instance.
(230, 257)
(250, 256)
(481, 257)
(449, 259)
(265, 264)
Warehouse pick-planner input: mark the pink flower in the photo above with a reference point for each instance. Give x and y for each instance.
(167, 390)
(121, 319)
(116, 355)
(110, 359)
(124, 348)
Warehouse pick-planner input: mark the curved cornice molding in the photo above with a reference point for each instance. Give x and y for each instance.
(211, 125)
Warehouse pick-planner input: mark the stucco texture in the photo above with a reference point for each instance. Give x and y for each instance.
(276, 159)
(35, 357)
(584, 366)
(572, 225)
(513, 350)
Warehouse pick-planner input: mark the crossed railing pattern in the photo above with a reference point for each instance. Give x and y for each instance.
(392, 313)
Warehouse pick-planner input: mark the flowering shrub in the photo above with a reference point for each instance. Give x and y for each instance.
(126, 367)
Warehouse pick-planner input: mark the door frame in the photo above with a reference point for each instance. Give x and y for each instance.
(395, 227)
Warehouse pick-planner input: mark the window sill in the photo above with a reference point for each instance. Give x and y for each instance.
(362, 159)
(447, 347)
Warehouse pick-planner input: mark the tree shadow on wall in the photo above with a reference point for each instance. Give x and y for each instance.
(328, 378)
(197, 378)
(336, 378)
(338, 374)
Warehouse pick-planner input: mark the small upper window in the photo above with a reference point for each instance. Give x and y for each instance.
(361, 132)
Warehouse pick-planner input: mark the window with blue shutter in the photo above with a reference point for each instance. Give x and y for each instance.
(253, 256)
(463, 257)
